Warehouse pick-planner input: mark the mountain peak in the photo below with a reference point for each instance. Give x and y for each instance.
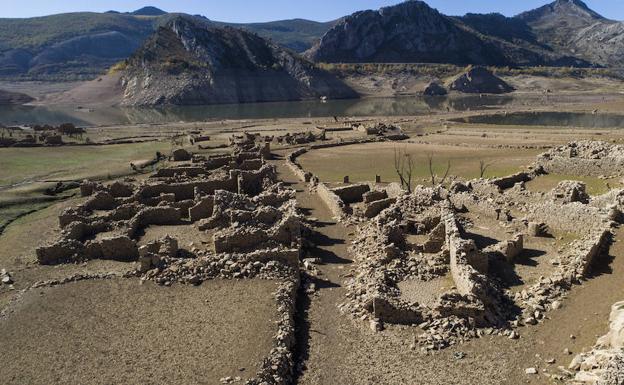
(563, 9)
(148, 11)
(577, 5)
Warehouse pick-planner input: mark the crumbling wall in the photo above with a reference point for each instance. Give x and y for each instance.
(332, 201)
(202, 209)
(186, 190)
(352, 193)
(575, 217)
(374, 208)
(584, 158)
(509, 181)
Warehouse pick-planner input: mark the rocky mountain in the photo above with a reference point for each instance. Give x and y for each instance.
(564, 33)
(570, 27)
(189, 61)
(407, 32)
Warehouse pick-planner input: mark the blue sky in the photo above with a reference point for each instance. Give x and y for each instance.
(265, 10)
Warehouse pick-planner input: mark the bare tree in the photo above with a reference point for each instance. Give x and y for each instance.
(404, 167)
(434, 178)
(483, 166)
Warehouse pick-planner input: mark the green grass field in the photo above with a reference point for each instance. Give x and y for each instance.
(20, 165)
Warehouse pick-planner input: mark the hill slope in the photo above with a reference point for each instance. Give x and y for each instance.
(69, 44)
(191, 62)
(296, 34)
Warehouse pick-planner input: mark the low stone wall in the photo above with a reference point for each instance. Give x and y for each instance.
(464, 275)
(161, 216)
(509, 181)
(374, 208)
(186, 190)
(279, 367)
(291, 161)
(347, 143)
(171, 172)
(202, 209)
(119, 248)
(352, 193)
(332, 201)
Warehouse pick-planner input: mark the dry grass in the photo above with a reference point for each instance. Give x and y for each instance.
(363, 162)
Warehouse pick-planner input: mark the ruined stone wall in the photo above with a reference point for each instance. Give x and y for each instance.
(464, 275)
(332, 201)
(509, 181)
(291, 161)
(186, 190)
(170, 172)
(352, 193)
(584, 158)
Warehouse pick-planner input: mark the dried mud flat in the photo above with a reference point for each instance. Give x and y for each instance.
(121, 331)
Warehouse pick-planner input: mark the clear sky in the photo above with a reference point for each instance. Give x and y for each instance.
(266, 10)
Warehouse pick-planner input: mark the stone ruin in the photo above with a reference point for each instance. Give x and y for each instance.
(45, 135)
(234, 198)
(418, 260)
(389, 131)
(423, 243)
(585, 158)
(300, 137)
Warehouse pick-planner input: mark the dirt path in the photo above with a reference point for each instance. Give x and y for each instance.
(319, 336)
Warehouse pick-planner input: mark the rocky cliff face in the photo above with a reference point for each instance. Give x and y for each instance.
(408, 32)
(564, 33)
(189, 62)
(570, 27)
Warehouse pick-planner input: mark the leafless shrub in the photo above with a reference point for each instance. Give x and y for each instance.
(404, 167)
(434, 178)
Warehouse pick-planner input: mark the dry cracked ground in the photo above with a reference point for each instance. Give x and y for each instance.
(217, 311)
